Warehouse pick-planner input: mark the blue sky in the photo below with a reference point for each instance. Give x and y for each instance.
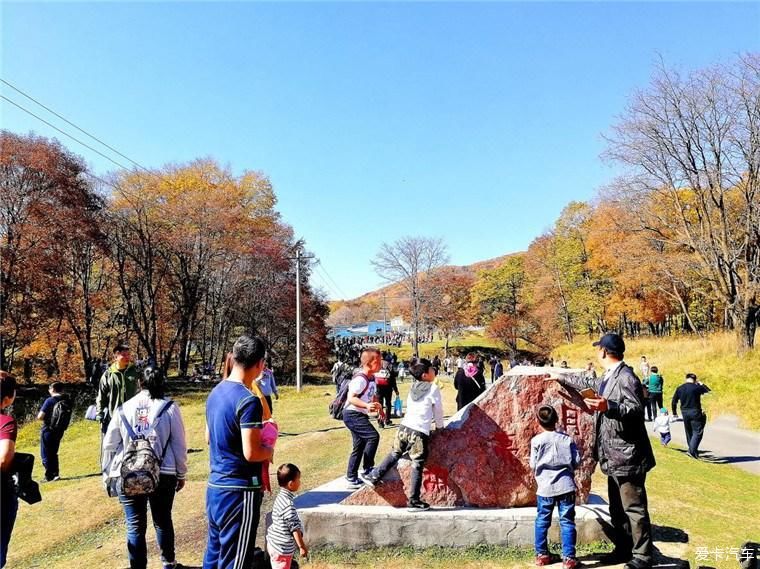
(473, 122)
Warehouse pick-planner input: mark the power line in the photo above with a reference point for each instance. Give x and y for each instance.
(327, 284)
(340, 290)
(72, 137)
(323, 276)
(83, 131)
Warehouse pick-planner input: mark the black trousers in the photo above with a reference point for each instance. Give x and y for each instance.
(655, 401)
(694, 425)
(50, 442)
(648, 408)
(630, 517)
(385, 395)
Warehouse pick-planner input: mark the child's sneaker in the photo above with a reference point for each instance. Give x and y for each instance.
(543, 559)
(369, 479)
(417, 506)
(571, 563)
(353, 484)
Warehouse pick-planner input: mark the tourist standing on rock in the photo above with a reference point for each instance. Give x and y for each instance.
(553, 460)
(689, 394)
(237, 453)
(655, 384)
(361, 401)
(492, 363)
(469, 382)
(623, 451)
(148, 415)
(423, 407)
(55, 415)
(8, 432)
(118, 384)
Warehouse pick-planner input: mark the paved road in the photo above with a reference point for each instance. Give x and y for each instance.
(724, 443)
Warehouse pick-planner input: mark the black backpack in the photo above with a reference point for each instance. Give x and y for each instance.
(60, 418)
(337, 405)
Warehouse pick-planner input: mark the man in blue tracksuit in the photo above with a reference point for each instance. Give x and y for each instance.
(234, 418)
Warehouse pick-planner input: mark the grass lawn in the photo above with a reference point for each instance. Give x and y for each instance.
(77, 525)
(733, 378)
(461, 344)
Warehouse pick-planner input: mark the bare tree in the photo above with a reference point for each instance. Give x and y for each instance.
(409, 261)
(692, 150)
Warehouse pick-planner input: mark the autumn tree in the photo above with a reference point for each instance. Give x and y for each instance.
(48, 212)
(172, 229)
(691, 144)
(452, 310)
(410, 261)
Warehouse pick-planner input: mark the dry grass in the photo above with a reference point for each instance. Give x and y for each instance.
(733, 378)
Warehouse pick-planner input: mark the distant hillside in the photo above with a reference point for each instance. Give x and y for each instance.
(396, 290)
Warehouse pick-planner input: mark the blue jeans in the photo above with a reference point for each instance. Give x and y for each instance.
(136, 512)
(9, 509)
(566, 507)
(365, 439)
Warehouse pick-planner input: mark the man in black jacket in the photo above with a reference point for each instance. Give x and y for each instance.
(623, 451)
(690, 395)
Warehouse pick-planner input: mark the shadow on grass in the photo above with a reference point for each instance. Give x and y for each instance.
(325, 430)
(662, 534)
(712, 459)
(81, 476)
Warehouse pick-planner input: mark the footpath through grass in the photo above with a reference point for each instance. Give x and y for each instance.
(733, 378)
(77, 525)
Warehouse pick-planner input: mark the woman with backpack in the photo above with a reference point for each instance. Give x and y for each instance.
(145, 462)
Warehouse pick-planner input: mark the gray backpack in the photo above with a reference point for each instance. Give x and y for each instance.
(141, 467)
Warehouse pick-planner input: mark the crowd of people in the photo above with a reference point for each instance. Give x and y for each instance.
(144, 448)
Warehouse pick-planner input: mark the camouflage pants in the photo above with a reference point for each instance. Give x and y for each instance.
(413, 444)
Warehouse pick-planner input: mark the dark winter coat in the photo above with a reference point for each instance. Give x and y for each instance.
(622, 445)
(468, 388)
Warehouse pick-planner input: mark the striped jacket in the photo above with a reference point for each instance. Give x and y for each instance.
(285, 521)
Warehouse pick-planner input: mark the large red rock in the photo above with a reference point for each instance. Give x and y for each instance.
(480, 459)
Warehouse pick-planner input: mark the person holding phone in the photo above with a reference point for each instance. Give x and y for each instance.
(622, 449)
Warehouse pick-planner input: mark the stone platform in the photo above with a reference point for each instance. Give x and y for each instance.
(327, 522)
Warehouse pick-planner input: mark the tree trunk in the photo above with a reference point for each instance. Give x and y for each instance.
(746, 327)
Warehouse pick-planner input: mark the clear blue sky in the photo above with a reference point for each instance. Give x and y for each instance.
(473, 122)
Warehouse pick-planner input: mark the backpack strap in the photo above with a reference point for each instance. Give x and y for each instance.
(366, 387)
(266, 412)
(130, 430)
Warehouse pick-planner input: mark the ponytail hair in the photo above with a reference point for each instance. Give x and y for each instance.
(154, 382)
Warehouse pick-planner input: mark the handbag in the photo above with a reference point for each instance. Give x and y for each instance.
(92, 413)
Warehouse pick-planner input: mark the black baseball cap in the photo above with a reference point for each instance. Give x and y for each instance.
(611, 342)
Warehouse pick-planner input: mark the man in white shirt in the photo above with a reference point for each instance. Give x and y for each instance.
(361, 401)
(423, 406)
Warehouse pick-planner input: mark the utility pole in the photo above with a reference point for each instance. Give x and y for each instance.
(299, 256)
(385, 321)
(298, 320)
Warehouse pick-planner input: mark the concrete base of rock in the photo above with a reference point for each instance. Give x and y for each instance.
(327, 523)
